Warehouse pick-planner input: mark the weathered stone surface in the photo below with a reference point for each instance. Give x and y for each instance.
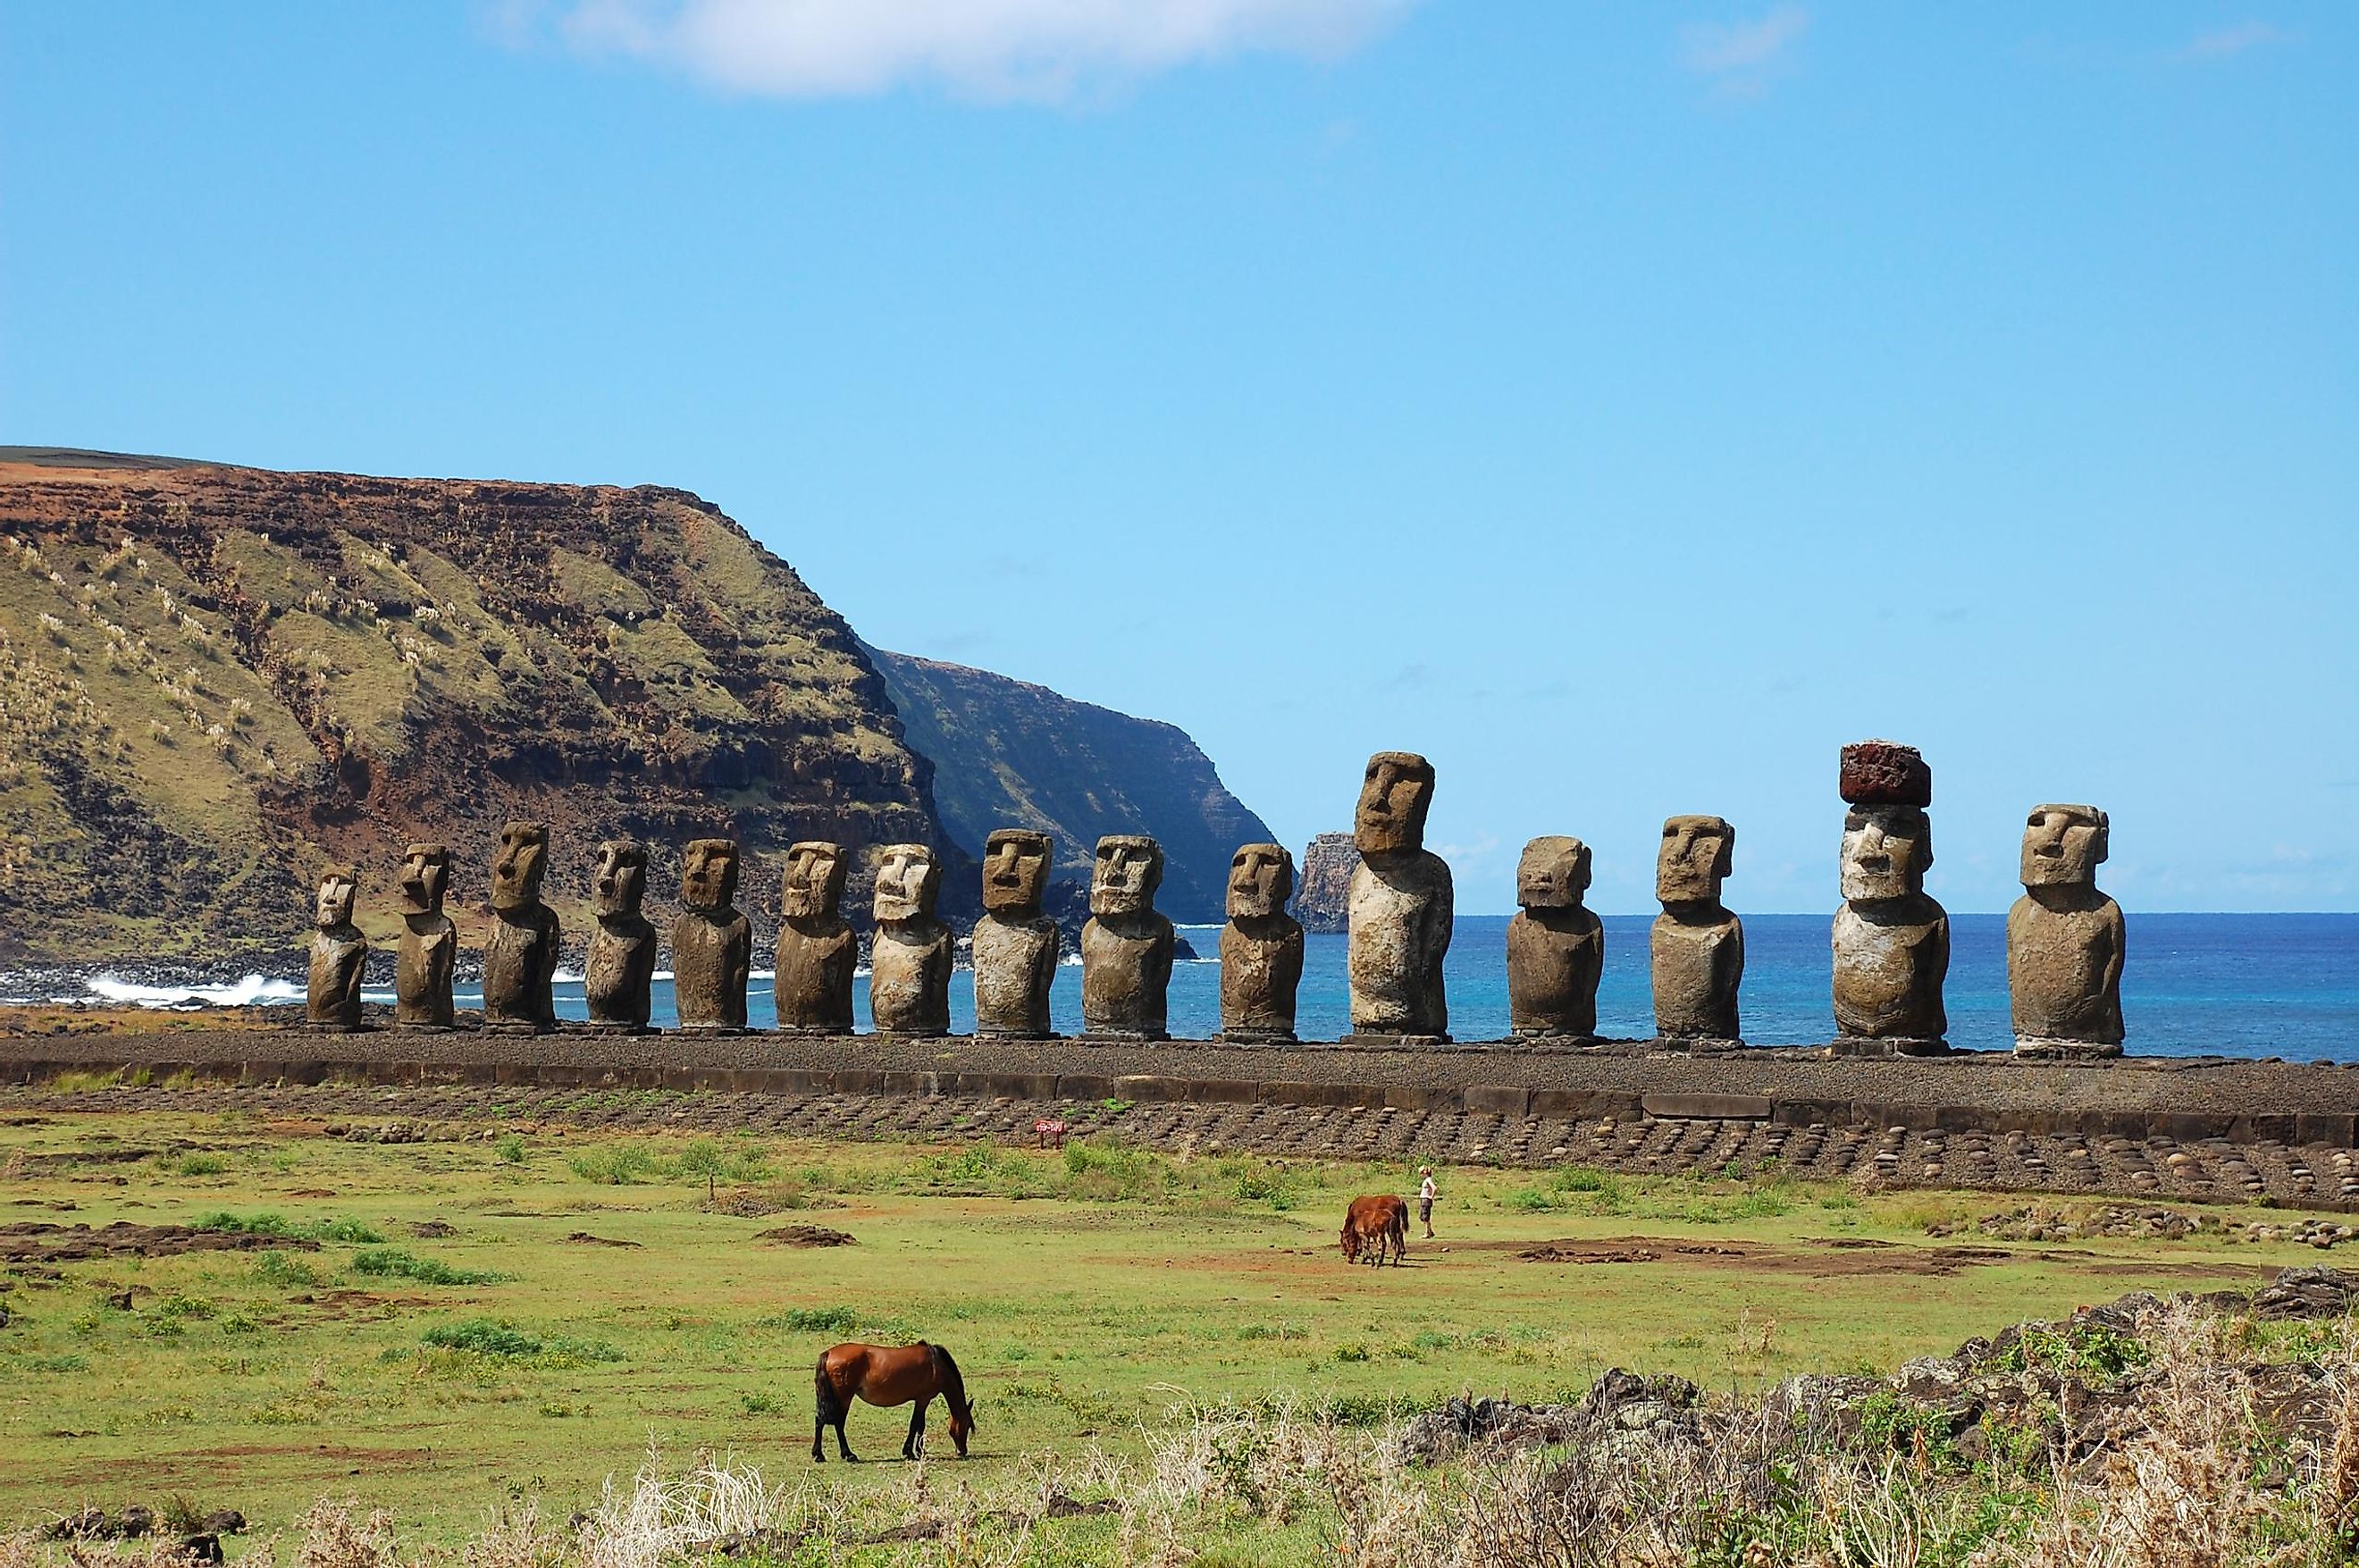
(1401, 904)
(909, 960)
(818, 950)
(338, 954)
(1261, 947)
(2065, 939)
(1015, 944)
(1126, 947)
(520, 947)
(621, 965)
(1556, 948)
(1696, 947)
(1891, 940)
(1885, 773)
(429, 947)
(1322, 900)
(711, 942)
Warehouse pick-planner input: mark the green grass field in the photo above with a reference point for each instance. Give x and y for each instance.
(524, 1353)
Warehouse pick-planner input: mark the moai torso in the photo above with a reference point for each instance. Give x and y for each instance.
(1891, 940)
(338, 956)
(817, 951)
(520, 947)
(909, 959)
(617, 976)
(1261, 948)
(1127, 945)
(429, 948)
(712, 943)
(1696, 951)
(2065, 939)
(1556, 948)
(1015, 944)
(1399, 906)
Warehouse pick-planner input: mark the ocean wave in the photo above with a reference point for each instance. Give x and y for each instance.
(249, 992)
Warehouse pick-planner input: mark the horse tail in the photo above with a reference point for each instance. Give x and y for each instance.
(827, 1403)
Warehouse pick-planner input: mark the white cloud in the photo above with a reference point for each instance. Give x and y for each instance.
(1731, 48)
(2223, 42)
(998, 50)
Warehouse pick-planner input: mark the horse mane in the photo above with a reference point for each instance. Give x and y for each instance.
(953, 1384)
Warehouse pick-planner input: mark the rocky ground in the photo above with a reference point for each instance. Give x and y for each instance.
(2312, 1177)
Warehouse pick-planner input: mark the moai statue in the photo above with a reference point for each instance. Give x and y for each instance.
(520, 949)
(1556, 948)
(1400, 904)
(711, 942)
(817, 951)
(1127, 945)
(1696, 947)
(429, 944)
(909, 960)
(1891, 940)
(1015, 943)
(2065, 939)
(338, 954)
(622, 959)
(1261, 949)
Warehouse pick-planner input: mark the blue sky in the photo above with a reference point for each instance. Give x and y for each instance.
(1623, 406)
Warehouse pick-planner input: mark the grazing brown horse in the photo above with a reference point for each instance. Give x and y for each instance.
(885, 1375)
(1370, 1223)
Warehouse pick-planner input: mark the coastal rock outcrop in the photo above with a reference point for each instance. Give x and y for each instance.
(1322, 894)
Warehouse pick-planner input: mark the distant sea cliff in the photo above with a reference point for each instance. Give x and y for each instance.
(214, 680)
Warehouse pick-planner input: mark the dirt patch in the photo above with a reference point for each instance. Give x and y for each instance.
(1592, 1255)
(808, 1236)
(584, 1238)
(40, 1242)
(435, 1230)
(1752, 1258)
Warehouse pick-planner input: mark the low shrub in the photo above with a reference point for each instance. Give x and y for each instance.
(392, 1261)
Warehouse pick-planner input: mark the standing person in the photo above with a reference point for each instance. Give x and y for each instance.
(1426, 1192)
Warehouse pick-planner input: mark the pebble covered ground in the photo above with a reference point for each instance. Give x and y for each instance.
(2312, 1176)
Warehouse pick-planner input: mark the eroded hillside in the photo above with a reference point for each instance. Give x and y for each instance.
(214, 680)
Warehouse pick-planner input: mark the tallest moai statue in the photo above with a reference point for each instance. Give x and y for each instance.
(1400, 904)
(1891, 940)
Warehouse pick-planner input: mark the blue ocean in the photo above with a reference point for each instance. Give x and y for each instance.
(2194, 985)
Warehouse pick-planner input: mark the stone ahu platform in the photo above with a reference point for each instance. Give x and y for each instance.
(2203, 1128)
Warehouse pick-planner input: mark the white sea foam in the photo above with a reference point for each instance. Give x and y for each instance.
(564, 976)
(252, 990)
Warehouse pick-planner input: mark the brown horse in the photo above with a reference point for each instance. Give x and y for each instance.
(885, 1375)
(1370, 1223)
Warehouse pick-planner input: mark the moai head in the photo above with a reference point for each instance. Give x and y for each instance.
(517, 866)
(1697, 851)
(622, 879)
(2063, 845)
(425, 876)
(1261, 879)
(708, 875)
(815, 872)
(907, 877)
(1394, 796)
(1129, 869)
(1886, 850)
(1015, 871)
(1553, 873)
(333, 911)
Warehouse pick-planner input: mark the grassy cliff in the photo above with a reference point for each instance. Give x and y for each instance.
(214, 680)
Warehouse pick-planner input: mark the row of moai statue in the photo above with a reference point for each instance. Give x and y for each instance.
(1891, 940)
(1127, 945)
